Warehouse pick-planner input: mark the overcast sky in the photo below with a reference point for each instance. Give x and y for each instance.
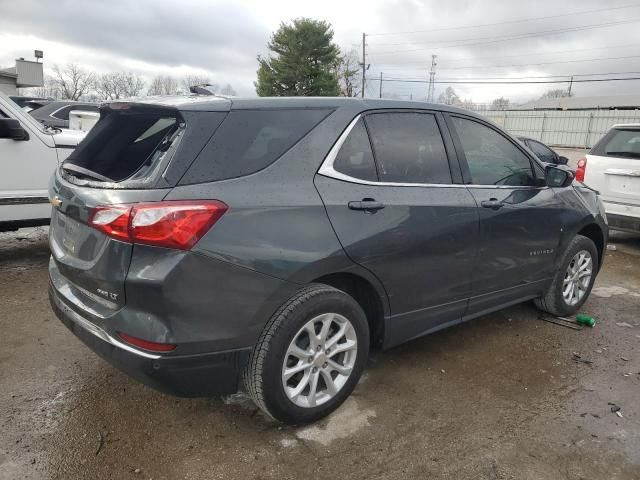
(223, 38)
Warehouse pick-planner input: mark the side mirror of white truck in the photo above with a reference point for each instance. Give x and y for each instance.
(11, 128)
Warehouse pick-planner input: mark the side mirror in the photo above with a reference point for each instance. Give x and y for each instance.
(562, 160)
(558, 176)
(11, 128)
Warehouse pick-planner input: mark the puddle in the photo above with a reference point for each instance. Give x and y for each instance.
(343, 423)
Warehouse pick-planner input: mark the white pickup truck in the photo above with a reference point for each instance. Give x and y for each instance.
(29, 154)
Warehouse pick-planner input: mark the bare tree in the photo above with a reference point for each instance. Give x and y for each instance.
(115, 85)
(449, 97)
(349, 74)
(189, 81)
(556, 93)
(228, 90)
(72, 81)
(163, 85)
(500, 103)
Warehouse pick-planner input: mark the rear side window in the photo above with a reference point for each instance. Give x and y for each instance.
(250, 140)
(408, 148)
(123, 144)
(355, 157)
(542, 152)
(492, 159)
(621, 143)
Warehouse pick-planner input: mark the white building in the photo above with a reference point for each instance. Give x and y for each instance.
(25, 74)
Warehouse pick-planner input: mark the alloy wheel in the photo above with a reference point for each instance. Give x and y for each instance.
(319, 360)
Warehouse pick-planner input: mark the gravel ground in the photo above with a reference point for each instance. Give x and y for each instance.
(500, 397)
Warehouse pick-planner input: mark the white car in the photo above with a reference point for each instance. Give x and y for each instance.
(30, 152)
(613, 168)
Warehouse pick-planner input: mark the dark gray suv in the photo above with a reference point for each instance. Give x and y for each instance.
(201, 243)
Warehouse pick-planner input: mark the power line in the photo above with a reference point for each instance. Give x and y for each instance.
(400, 80)
(531, 19)
(542, 63)
(520, 55)
(503, 38)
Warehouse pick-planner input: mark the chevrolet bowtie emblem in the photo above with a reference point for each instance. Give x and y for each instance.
(56, 201)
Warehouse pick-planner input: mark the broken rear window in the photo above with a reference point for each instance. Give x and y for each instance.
(126, 143)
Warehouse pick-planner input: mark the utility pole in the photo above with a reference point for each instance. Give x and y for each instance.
(364, 61)
(380, 84)
(570, 85)
(431, 91)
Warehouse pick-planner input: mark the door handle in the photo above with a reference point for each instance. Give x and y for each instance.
(367, 204)
(492, 203)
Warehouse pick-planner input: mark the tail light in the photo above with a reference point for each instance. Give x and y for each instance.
(145, 344)
(582, 168)
(173, 224)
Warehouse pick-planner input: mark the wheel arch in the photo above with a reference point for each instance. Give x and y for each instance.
(594, 233)
(368, 296)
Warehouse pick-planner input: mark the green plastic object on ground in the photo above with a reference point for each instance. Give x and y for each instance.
(584, 319)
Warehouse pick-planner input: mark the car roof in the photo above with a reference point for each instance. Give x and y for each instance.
(627, 125)
(225, 103)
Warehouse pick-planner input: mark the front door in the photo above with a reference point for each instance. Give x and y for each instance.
(397, 212)
(520, 217)
(27, 166)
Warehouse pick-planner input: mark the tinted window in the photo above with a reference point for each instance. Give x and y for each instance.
(408, 148)
(355, 158)
(543, 152)
(622, 143)
(250, 140)
(492, 159)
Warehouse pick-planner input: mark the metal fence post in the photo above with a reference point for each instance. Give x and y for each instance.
(544, 121)
(504, 120)
(588, 136)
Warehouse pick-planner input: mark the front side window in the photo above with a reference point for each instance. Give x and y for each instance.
(355, 157)
(492, 159)
(408, 148)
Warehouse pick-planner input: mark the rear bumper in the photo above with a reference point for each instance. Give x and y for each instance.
(623, 217)
(197, 375)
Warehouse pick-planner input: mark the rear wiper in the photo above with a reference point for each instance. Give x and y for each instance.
(626, 154)
(74, 170)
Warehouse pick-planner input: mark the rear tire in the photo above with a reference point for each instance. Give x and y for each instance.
(322, 335)
(571, 284)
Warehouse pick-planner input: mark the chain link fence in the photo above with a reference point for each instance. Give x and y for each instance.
(561, 128)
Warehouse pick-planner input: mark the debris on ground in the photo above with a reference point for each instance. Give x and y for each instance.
(624, 324)
(616, 409)
(611, 246)
(562, 321)
(100, 442)
(624, 359)
(584, 319)
(578, 358)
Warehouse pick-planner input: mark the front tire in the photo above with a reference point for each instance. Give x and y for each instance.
(309, 357)
(573, 280)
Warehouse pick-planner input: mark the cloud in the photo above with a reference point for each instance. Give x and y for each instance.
(222, 39)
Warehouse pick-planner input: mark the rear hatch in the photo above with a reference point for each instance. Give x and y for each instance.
(129, 157)
(613, 166)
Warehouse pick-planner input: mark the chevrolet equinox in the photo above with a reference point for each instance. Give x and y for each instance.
(206, 244)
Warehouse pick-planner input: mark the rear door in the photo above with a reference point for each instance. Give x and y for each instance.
(520, 220)
(398, 208)
(613, 166)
